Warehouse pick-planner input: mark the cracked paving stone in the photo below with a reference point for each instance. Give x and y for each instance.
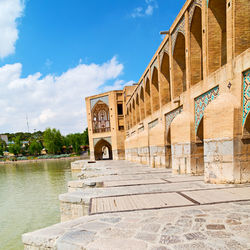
(233, 222)
(219, 234)
(171, 229)
(200, 220)
(169, 239)
(215, 226)
(195, 236)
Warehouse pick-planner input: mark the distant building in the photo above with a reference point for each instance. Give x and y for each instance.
(4, 138)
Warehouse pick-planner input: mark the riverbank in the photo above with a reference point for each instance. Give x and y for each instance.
(42, 160)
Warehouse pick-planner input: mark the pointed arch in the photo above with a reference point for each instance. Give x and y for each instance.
(99, 150)
(100, 117)
(142, 110)
(133, 112)
(148, 97)
(165, 80)
(196, 61)
(130, 116)
(217, 34)
(137, 108)
(179, 64)
(155, 90)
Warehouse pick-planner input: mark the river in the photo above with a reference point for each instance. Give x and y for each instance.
(29, 198)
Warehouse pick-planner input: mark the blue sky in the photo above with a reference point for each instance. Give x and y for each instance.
(55, 53)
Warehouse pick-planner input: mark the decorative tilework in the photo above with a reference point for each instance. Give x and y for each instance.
(246, 95)
(201, 103)
(171, 115)
(192, 8)
(179, 28)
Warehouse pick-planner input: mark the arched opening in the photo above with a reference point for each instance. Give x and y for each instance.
(137, 108)
(130, 116)
(165, 81)
(147, 98)
(155, 90)
(103, 150)
(196, 47)
(199, 149)
(127, 118)
(133, 111)
(142, 111)
(217, 34)
(168, 153)
(247, 127)
(242, 23)
(100, 118)
(179, 63)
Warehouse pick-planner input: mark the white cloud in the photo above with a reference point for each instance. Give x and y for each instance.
(53, 101)
(148, 10)
(10, 11)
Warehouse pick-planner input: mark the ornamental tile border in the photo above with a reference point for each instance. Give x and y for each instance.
(179, 28)
(246, 95)
(171, 115)
(201, 103)
(192, 8)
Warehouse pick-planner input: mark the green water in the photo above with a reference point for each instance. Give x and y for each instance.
(29, 198)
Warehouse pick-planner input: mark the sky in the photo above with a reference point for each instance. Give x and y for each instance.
(54, 53)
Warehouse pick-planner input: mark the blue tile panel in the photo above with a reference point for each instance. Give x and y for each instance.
(246, 95)
(201, 103)
(171, 115)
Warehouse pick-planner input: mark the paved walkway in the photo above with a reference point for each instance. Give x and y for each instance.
(165, 212)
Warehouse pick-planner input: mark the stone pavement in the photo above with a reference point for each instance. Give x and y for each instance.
(165, 212)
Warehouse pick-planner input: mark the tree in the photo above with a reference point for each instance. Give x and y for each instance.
(85, 137)
(16, 147)
(53, 141)
(1, 150)
(35, 148)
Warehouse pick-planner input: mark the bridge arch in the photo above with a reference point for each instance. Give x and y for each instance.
(155, 90)
(142, 110)
(103, 150)
(165, 79)
(217, 34)
(196, 62)
(179, 64)
(148, 97)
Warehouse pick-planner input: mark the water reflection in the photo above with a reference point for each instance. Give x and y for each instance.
(29, 198)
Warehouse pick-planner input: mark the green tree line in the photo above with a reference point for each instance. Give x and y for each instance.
(51, 139)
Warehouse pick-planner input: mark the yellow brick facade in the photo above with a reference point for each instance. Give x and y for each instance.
(190, 108)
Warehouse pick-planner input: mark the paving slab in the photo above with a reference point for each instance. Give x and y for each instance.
(132, 182)
(137, 202)
(219, 195)
(204, 227)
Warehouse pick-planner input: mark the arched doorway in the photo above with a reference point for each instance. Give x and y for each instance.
(198, 151)
(168, 153)
(103, 150)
